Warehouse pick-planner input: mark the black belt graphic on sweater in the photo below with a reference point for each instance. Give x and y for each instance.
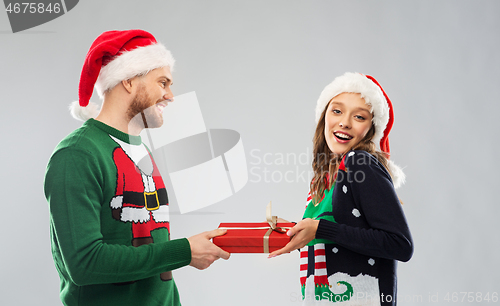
(150, 200)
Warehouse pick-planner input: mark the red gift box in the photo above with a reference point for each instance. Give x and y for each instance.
(253, 237)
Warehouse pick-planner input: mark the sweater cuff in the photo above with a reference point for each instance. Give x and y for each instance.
(177, 253)
(327, 230)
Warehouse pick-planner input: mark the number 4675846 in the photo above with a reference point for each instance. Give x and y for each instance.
(33, 8)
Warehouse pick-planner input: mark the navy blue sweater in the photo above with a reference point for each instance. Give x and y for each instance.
(370, 232)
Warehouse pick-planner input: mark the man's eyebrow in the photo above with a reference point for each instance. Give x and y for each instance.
(168, 80)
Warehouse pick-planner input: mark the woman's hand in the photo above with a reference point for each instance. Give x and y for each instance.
(302, 233)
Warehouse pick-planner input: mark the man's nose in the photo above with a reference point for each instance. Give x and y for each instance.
(169, 95)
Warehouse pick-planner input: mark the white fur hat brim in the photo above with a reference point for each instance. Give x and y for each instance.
(132, 63)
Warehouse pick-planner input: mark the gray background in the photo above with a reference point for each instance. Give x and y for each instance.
(258, 67)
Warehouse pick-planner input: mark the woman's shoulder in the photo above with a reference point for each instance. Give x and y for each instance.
(360, 158)
(363, 168)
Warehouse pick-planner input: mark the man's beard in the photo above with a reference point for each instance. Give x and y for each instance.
(142, 110)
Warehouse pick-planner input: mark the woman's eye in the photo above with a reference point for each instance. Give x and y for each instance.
(360, 117)
(336, 111)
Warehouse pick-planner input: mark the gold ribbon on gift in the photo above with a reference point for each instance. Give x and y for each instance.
(272, 220)
(266, 240)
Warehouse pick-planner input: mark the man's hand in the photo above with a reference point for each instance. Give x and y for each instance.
(203, 251)
(302, 233)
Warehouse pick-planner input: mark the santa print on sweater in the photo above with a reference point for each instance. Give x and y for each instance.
(362, 233)
(141, 197)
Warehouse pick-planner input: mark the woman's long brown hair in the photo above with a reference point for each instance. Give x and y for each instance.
(326, 163)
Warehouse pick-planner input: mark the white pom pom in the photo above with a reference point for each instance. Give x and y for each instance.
(84, 113)
(398, 176)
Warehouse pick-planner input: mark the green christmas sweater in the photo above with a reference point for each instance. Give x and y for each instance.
(109, 221)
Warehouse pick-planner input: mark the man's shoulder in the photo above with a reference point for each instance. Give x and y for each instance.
(86, 138)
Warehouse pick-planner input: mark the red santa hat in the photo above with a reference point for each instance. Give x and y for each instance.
(113, 57)
(380, 107)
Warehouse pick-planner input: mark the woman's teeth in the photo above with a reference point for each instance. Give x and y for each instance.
(343, 136)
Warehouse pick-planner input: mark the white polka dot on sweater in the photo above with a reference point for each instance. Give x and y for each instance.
(351, 154)
(344, 189)
(371, 261)
(335, 250)
(356, 213)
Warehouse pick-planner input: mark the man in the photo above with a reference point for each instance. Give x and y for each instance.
(109, 220)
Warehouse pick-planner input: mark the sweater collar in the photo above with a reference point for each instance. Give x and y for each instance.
(130, 139)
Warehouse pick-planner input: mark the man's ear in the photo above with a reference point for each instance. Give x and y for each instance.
(129, 84)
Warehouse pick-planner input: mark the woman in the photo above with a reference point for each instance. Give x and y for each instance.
(354, 229)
